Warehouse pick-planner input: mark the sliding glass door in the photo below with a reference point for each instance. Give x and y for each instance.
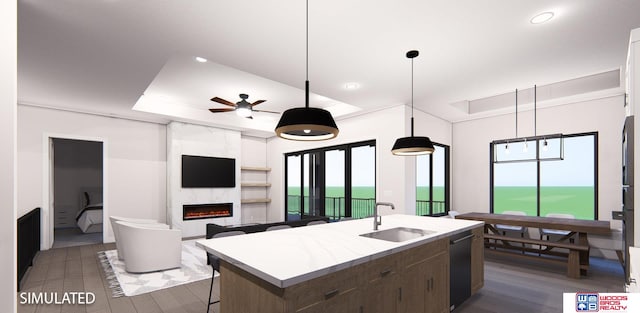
(363, 180)
(432, 182)
(303, 181)
(294, 187)
(337, 182)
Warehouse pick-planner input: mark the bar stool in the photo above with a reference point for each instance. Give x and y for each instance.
(215, 262)
(278, 227)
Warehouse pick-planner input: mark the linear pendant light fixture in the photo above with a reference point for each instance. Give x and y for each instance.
(413, 145)
(506, 146)
(306, 123)
(541, 153)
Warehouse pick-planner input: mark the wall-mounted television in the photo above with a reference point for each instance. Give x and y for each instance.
(208, 172)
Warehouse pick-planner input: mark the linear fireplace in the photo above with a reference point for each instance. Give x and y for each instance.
(210, 210)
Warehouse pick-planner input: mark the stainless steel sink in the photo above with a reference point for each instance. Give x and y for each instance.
(398, 234)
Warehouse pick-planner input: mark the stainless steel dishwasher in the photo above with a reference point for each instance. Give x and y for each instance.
(460, 268)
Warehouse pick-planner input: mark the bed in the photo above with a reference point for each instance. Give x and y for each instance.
(89, 218)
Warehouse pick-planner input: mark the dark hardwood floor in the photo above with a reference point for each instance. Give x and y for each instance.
(510, 286)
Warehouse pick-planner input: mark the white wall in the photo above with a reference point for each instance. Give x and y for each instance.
(470, 149)
(136, 158)
(254, 154)
(395, 177)
(8, 100)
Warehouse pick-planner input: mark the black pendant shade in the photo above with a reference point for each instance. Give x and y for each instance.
(413, 145)
(306, 123)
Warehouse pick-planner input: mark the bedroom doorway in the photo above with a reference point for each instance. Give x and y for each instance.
(77, 176)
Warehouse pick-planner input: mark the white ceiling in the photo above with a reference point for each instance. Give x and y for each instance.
(101, 56)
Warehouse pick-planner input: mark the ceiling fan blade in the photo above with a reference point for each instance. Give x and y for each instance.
(265, 111)
(220, 110)
(257, 102)
(223, 101)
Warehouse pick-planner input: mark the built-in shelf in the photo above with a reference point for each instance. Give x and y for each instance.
(263, 200)
(255, 184)
(253, 168)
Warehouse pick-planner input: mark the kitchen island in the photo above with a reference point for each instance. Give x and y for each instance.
(332, 268)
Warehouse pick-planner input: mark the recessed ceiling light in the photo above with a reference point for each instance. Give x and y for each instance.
(351, 86)
(201, 59)
(541, 18)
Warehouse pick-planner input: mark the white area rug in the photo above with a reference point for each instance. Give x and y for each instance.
(194, 268)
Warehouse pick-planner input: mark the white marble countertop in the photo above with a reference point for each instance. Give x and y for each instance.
(290, 256)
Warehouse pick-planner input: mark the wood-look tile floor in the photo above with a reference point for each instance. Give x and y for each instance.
(517, 286)
(510, 286)
(78, 269)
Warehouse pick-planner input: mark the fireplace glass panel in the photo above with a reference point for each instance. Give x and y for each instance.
(211, 210)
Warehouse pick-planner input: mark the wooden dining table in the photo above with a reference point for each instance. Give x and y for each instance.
(579, 227)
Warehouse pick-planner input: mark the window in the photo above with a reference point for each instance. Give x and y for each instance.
(541, 186)
(334, 186)
(432, 182)
(336, 181)
(294, 189)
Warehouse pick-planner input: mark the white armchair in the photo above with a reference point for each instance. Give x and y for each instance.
(148, 248)
(116, 231)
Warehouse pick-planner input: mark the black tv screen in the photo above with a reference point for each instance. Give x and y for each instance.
(208, 172)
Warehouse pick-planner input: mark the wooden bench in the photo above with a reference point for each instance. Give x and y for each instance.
(571, 258)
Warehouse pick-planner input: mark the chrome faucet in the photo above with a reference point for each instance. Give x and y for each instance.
(376, 221)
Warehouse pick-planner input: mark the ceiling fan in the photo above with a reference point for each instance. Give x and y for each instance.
(243, 107)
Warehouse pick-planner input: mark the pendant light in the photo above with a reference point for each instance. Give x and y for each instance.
(413, 145)
(542, 143)
(506, 146)
(306, 123)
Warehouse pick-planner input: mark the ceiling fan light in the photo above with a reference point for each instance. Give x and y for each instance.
(306, 124)
(414, 145)
(243, 112)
